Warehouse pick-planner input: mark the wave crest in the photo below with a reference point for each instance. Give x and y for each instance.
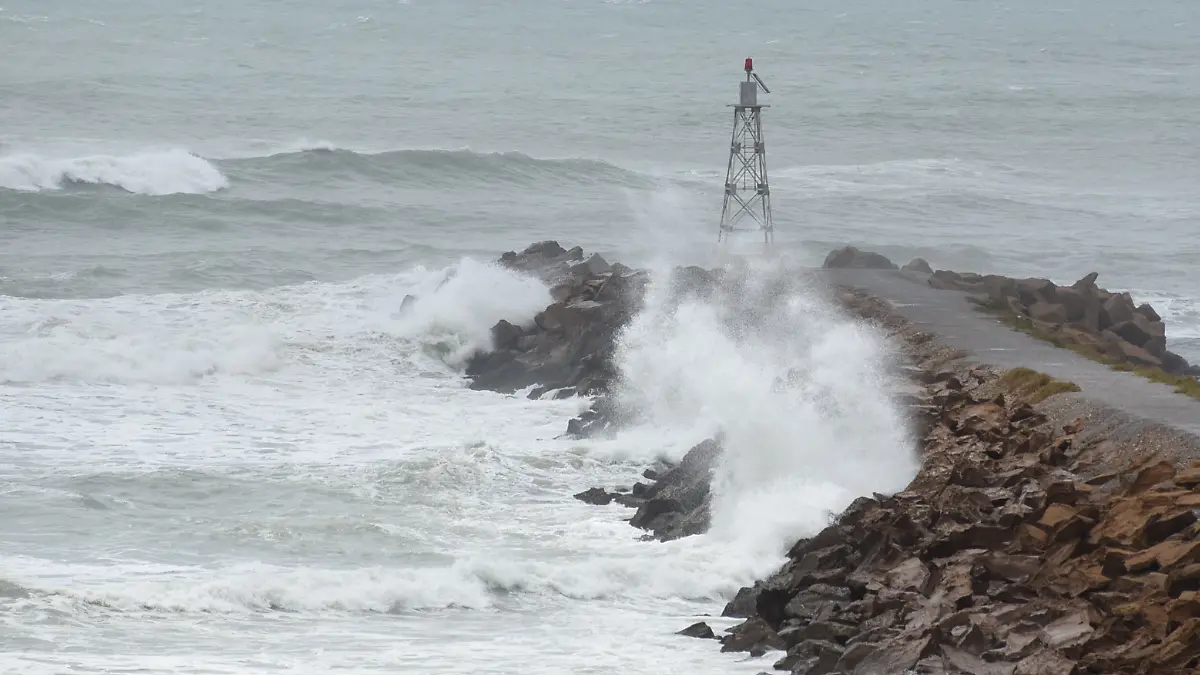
(434, 167)
(146, 173)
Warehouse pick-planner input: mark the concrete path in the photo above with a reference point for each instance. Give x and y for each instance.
(960, 326)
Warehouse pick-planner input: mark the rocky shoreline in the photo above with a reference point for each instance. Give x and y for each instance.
(1019, 548)
(1027, 544)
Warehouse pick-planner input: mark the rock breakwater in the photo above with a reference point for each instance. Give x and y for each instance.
(1103, 325)
(1025, 545)
(567, 348)
(1010, 553)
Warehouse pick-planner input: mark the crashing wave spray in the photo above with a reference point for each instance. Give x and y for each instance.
(798, 392)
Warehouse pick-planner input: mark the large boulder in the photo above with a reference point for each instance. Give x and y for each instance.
(851, 257)
(1118, 348)
(1117, 309)
(1047, 312)
(1082, 314)
(1074, 303)
(1033, 291)
(918, 265)
(677, 504)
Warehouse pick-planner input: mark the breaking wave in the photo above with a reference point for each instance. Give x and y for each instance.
(180, 339)
(799, 392)
(163, 172)
(431, 167)
(471, 583)
(178, 171)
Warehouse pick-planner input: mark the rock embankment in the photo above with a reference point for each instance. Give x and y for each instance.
(1103, 324)
(567, 348)
(1082, 314)
(1010, 553)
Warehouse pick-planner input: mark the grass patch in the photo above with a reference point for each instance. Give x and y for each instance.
(1188, 386)
(1033, 386)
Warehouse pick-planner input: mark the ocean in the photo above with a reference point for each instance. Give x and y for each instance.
(223, 448)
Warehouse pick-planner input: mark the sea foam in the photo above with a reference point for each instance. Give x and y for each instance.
(159, 172)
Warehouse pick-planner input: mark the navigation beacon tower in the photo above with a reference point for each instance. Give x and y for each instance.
(746, 190)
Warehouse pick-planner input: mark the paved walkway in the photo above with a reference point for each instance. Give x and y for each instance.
(960, 326)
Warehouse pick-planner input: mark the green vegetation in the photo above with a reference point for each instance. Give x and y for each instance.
(1033, 386)
(1188, 386)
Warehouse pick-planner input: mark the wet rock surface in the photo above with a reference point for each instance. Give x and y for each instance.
(567, 348)
(1007, 554)
(1020, 548)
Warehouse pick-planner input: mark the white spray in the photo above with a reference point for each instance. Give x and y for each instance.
(798, 390)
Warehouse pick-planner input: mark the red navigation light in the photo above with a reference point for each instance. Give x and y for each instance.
(749, 65)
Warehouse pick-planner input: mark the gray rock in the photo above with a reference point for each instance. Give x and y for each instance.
(918, 265)
(699, 630)
(851, 257)
(596, 496)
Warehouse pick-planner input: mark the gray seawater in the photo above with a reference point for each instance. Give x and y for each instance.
(223, 450)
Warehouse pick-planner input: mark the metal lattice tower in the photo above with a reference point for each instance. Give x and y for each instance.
(747, 193)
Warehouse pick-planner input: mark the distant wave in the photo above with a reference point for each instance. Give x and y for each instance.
(162, 172)
(430, 167)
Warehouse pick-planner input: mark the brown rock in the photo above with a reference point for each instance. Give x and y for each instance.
(910, 575)
(1016, 568)
(961, 661)
(894, 656)
(853, 656)
(1046, 662)
(1032, 538)
(1141, 584)
(1063, 523)
(827, 631)
(811, 656)
(1152, 474)
(1182, 580)
(1189, 477)
(1168, 522)
(753, 633)
(1069, 631)
(1075, 578)
(1184, 608)
(1173, 650)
